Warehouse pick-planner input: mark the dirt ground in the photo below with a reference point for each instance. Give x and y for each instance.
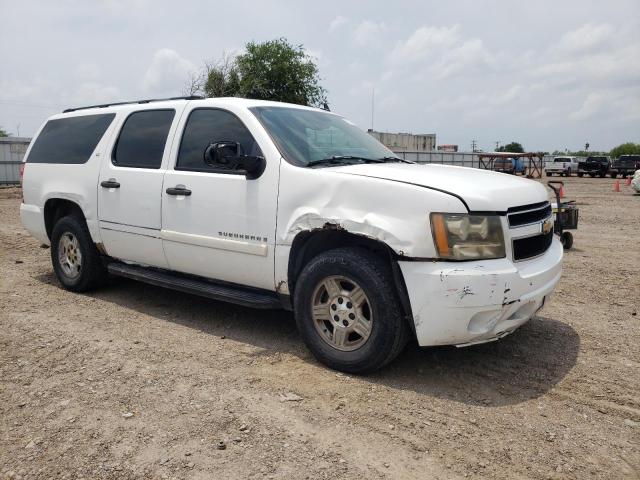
(133, 381)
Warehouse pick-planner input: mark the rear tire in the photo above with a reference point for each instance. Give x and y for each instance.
(613, 175)
(549, 174)
(76, 260)
(580, 174)
(348, 311)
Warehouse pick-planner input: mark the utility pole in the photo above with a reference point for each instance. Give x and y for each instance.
(497, 144)
(473, 145)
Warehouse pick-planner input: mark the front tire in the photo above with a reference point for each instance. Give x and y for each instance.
(76, 260)
(348, 311)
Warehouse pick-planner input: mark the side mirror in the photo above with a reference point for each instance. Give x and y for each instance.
(229, 156)
(253, 166)
(222, 154)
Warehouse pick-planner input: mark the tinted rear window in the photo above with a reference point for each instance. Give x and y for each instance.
(143, 138)
(69, 140)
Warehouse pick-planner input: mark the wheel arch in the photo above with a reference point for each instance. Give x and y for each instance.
(56, 208)
(309, 243)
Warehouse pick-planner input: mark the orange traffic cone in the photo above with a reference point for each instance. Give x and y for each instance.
(628, 181)
(616, 186)
(561, 191)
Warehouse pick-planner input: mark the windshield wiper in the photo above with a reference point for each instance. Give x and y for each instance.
(342, 160)
(345, 160)
(393, 159)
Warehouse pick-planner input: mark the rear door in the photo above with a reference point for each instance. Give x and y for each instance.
(130, 186)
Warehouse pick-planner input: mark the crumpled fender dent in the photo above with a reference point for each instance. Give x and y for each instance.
(365, 226)
(388, 211)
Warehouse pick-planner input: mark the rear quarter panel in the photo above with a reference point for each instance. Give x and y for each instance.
(74, 182)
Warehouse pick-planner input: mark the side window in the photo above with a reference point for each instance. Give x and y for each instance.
(206, 126)
(69, 140)
(142, 139)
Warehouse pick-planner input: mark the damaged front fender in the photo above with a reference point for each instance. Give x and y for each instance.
(394, 213)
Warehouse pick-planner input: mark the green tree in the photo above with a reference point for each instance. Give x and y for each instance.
(513, 147)
(273, 70)
(4, 133)
(628, 148)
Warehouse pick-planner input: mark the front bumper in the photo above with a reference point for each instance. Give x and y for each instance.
(462, 303)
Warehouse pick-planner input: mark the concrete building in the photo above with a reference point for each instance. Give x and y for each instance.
(12, 150)
(406, 142)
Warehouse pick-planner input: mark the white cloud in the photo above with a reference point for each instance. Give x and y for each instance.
(586, 39)
(442, 52)
(167, 73)
(93, 93)
(426, 41)
(466, 58)
(87, 71)
(368, 32)
(337, 22)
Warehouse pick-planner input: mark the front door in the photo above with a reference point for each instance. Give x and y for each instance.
(130, 186)
(217, 223)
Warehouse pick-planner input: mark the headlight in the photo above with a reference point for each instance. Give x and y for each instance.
(467, 237)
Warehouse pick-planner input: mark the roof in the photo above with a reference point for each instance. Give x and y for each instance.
(159, 103)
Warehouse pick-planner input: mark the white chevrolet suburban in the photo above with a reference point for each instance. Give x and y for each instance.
(271, 205)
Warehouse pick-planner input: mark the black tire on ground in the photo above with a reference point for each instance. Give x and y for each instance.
(567, 240)
(601, 174)
(549, 174)
(580, 174)
(389, 331)
(91, 272)
(613, 175)
(624, 175)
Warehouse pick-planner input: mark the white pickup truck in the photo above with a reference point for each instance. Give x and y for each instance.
(562, 166)
(271, 205)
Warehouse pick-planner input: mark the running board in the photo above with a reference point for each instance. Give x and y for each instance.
(247, 297)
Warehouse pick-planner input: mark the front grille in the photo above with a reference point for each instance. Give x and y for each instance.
(529, 247)
(528, 214)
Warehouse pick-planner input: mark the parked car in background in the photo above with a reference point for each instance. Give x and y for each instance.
(562, 166)
(625, 165)
(272, 205)
(595, 165)
(509, 165)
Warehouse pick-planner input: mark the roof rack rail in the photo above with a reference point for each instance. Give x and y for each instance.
(149, 100)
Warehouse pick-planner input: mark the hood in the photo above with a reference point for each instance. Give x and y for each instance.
(479, 190)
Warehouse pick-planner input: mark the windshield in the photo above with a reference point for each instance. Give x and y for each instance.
(308, 136)
(561, 159)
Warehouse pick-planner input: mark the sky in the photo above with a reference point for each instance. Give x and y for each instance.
(548, 74)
